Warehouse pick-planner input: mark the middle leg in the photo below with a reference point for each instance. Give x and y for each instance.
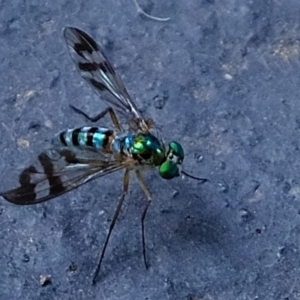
(149, 200)
(109, 110)
(113, 222)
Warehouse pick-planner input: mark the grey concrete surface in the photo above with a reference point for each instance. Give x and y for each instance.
(220, 77)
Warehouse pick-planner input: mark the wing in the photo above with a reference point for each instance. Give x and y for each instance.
(58, 171)
(95, 68)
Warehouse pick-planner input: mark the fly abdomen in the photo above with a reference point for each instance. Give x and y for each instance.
(95, 137)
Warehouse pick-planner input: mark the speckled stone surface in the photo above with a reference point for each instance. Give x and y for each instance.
(220, 77)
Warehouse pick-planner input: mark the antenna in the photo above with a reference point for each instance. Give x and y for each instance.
(194, 177)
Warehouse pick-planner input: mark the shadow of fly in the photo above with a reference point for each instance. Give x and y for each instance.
(79, 155)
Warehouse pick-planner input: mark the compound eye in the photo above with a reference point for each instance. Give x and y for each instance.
(168, 170)
(177, 150)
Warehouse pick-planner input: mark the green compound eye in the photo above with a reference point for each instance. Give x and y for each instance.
(168, 170)
(177, 150)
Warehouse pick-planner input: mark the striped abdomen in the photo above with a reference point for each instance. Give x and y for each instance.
(96, 137)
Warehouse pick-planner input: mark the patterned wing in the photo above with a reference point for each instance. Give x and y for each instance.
(58, 171)
(95, 68)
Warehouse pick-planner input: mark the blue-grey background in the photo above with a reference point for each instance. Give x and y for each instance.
(223, 79)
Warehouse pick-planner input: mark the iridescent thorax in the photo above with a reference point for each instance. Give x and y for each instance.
(148, 148)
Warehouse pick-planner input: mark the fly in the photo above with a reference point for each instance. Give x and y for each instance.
(79, 155)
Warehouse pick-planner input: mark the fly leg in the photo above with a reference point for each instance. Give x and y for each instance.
(149, 200)
(109, 110)
(113, 222)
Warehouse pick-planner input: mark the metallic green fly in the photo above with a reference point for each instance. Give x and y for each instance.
(82, 154)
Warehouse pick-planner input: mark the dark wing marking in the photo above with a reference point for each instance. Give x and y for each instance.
(95, 68)
(57, 172)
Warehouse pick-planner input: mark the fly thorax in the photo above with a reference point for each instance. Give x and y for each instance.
(146, 148)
